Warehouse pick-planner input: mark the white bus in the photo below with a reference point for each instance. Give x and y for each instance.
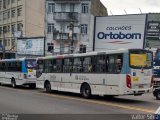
(18, 72)
(114, 72)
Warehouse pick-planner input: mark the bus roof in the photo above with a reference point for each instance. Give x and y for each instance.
(11, 60)
(88, 53)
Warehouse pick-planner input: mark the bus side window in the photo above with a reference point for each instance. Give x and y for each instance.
(3, 66)
(119, 62)
(87, 64)
(114, 63)
(47, 66)
(107, 63)
(54, 69)
(100, 64)
(59, 64)
(111, 64)
(67, 66)
(18, 66)
(40, 66)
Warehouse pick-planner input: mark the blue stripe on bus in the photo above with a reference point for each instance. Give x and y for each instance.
(24, 69)
(125, 67)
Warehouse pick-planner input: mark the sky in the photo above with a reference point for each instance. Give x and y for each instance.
(121, 7)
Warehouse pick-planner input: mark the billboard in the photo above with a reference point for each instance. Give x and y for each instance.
(115, 32)
(153, 30)
(30, 46)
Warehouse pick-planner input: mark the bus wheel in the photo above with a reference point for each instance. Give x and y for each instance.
(13, 83)
(48, 87)
(157, 94)
(86, 91)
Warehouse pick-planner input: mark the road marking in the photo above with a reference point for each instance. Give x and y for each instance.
(101, 103)
(88, 101)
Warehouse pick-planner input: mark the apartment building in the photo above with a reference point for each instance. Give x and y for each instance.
(20, 18)
(70, 24)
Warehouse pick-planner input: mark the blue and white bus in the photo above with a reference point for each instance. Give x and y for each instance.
(18, 72)
(112, 72)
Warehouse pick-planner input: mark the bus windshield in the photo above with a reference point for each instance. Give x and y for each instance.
(31, 64)
(141, 59)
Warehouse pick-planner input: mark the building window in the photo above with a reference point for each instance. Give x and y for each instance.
(50, 28)
(9, 42)
(5, 29)
(61, 47)
(5, 15)
(51, 7)
(19, 26)
(19, 11)
(13, 42)
(62, 26)
(4, 4)
(13, 13)
(82, 48)
(85, 7)
(8, 2)
(50, 47)
(1, 17)
(0, 4)
(8, 28)
(5, 42)
(13, 1)
(84, 28)
(13, 28)
(8, 14)
(63, 7)
(72, 6)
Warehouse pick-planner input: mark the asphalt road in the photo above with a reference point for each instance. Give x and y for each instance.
(36, 101)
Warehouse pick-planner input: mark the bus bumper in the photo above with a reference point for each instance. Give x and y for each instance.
(138, 91)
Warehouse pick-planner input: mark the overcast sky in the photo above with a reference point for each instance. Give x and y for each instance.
(117, 7)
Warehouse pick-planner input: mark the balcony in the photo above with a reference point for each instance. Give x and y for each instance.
(67, 1)
(65, 37)
(66, 16)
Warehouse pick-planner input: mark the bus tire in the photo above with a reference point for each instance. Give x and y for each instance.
(13, 83)
(157, 94)
(48, 87)
(86, 91)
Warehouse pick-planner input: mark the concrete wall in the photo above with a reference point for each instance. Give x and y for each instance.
(34, 18)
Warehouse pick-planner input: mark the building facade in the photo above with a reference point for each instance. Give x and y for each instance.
(20, 18)
(70, 24)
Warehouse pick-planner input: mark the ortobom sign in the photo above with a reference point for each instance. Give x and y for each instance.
(115, 32)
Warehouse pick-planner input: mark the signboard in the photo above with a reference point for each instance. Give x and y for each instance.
(153, 30)
(115, 32)
(138, 59)
(30, 46)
